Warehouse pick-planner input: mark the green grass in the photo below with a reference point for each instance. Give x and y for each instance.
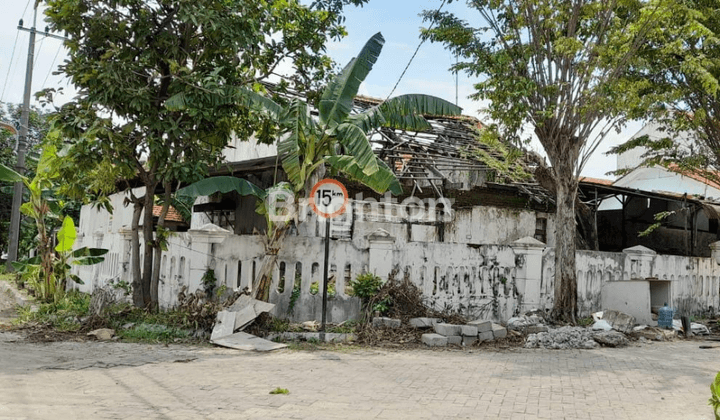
(153, 333)
(281, 391)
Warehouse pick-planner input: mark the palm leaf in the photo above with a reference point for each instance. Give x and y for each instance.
(405, 112)
(337, 98)
(8, 175)
(356, 143)
(382, 180)
(222, 184)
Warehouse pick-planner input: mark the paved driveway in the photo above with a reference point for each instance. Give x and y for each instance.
(118, 381)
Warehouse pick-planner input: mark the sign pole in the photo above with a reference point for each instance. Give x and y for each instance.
(328, 199)
(325, 276)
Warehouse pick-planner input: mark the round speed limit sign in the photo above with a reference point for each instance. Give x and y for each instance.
(328, 198)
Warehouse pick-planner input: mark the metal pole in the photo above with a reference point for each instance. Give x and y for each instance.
(22, 143)
(325, 276)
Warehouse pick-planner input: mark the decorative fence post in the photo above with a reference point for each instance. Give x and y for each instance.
(529, 271)
(381, 253)
(202, 254)
(638, 262)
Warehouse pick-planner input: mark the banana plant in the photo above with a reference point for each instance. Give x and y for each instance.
(337, 138)
(47, 270)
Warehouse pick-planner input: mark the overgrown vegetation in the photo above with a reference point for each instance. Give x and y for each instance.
(190, 322)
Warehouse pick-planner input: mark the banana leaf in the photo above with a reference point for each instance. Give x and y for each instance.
(382, 180)
(337, 98)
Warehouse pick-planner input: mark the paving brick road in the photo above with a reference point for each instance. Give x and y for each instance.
(127, 381)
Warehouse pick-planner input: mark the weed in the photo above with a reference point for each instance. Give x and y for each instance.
(366, 286)
(278, 390)
(153, 333)
(585, 322)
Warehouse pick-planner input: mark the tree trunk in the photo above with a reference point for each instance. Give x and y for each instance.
(157, 245)
(565, 306)
(138, 297)
(148, 241)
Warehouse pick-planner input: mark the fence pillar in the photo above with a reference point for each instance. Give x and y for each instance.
(715, 251)
(381, 253)
(202, 254)
(638, 262)
(529, 272)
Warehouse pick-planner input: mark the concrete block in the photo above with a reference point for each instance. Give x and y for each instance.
(534, 329)
(486, 336)
(499, 331)
(469, 330)
(385, 322)
(454, 340)
(482, 325)
(434, 340)
(447, 329)
(423, 322)
(469, 341)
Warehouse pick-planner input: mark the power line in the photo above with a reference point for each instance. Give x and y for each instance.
(422, 41)
(26, 7)
(51, 67)
(7, 77)
(37, 52)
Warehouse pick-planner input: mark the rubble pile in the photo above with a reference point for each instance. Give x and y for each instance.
(562, 338)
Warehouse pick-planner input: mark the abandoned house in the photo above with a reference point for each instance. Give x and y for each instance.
(470, 243)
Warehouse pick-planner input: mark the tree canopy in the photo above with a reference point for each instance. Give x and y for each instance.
(128, 57)
(560, 67)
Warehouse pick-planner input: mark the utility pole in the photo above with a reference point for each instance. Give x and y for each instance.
(22, 139)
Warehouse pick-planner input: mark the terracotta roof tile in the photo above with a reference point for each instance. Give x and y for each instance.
(172, 214)
(596, 180)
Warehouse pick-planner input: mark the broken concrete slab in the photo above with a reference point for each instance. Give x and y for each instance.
(486, 336)
(434, 340)
(469, 341)
(245, 341)
(239, 315)
(447, 329)
(224, 325)
(499, 331)
(610, 338)
(482, 325)
(469, 330)
(245, 300)
(455, 340)
(102, 334)
(620, 321)
(423, 322)
(379, 322)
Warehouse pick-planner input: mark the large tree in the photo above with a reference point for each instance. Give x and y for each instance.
(560, 67)
(681, 62)
(127, 57)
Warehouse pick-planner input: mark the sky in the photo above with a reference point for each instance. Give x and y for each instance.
(398, 21)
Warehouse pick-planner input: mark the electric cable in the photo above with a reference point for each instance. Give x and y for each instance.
(413, 56)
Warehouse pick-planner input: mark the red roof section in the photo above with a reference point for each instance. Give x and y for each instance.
(713, 182)
(172, 214)
(596, 180)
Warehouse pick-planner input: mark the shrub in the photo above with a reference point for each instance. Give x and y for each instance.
(366, 286)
